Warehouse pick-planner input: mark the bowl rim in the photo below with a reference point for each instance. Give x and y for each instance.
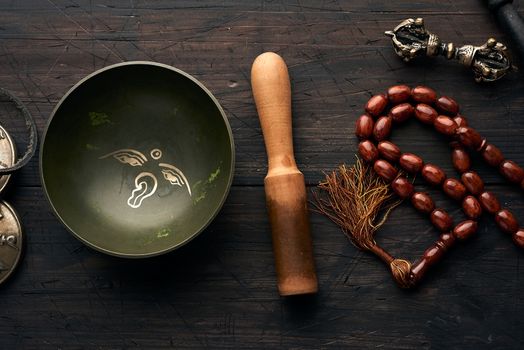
(224, 195)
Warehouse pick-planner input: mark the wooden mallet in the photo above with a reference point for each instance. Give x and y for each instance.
(284, 184)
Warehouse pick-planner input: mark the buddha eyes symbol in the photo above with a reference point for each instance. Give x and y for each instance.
(173, 178)
(127, 156)
(146, 182)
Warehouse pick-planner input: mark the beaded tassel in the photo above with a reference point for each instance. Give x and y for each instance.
(355, 198)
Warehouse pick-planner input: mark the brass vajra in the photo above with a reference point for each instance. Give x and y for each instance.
(489, 62)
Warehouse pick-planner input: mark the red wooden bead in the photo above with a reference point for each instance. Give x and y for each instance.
(473, 182)
(411, 162)
(454, 189)
(445, 125)
(441, 219)
(402, 187)
(382, 128)
(368, 151)
(425, 113)
(465, 229)
(489, 202)
(433, 254)
(461, 160)
(376, 105)
(447, 105)
(399, 93)
(422, 202)
(482, 146)
(446, 240)
(433, 174)
(460, 120)
(506, 221)
(423, 94)
(518, 238)
(418, 269)
(469, 137)
(512, 171)
(401, 112)
(492, 155)
(389, 151)
(471, 207)
(364, 126)
(385, 170)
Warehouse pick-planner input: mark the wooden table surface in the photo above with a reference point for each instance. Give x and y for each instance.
(219, 291)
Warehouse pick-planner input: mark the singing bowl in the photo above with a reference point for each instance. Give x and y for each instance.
(137, 159)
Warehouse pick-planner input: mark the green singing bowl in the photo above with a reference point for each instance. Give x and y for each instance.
(137, 159)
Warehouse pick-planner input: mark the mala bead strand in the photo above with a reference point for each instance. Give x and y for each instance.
(398, 94)
(382, 128)
(441, 220)
(402, 187)
(469, 137)
(431, 256)
(453, 188)
(460, 120)
(424, 94)
(472, 182)
(402, 112)
(376, 105)
(411, 162)
(443, 114)
(506, 221)
(364, 127)
(512, 171)
(368, 151)
(433, 174)
(465, 229)
(421, 200)
(447, 105)
(518, 237)
(471, 207)
(385, 170)
(389, 151)
(445, 125)
(492, 155)
(460, 159)
(425, 113)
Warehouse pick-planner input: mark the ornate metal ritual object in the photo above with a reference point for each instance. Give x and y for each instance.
(489, 62)
(11, 240)
(11, 233)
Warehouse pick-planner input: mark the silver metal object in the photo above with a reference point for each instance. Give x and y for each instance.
(489, 62)
(11, 240)
(7, 156)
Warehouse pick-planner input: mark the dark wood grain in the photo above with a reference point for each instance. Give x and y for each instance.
(219, 291)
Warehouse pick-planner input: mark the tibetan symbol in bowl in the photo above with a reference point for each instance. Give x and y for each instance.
(137, 159)
(146, 182)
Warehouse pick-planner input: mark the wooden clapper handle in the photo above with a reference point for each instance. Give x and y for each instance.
(284, 184)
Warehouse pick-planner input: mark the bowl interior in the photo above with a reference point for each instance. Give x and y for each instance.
(137, 159)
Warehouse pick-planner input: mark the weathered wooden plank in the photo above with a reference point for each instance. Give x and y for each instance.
(328, 97)
(219, 291)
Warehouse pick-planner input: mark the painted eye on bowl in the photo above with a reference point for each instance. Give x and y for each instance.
(127, 156)
(172, 177)
(128, 159)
